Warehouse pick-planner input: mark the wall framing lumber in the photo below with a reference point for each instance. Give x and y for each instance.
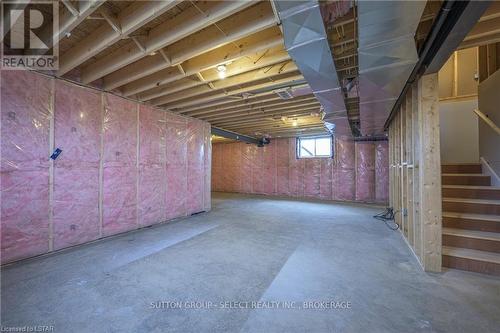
(415, 172)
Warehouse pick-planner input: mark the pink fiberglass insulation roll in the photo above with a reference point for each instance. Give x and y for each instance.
(195, 175)
(283, 168)
(365, 171)
(216, 167)
(131, 157)
(326, 179)
(119, 165)
(312, 173)
(177, 188)
(275, 169)
(382, 171)
(344, 175)
(77, 132)
(25, 127)
(296, 171)
(207, 161)
(269, 168)
(258, 171)
(152, 183)
(246, 167)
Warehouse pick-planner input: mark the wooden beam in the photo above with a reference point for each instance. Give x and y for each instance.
(260, 111)
(68, 21)
(71, 7)
(430, 172)
(484, 28)
(111, 19)
(263, 104)
(148, 72)
(304, 112)
(290, 78)
(287, 114)
(239, 66)
(186, 23)
(139, 44)
(130, 19)
(246, 78)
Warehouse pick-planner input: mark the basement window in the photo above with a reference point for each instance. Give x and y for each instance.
(313, 147)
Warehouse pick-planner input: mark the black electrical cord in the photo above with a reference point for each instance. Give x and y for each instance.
(387, 216)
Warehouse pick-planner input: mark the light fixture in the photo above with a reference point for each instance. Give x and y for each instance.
(294, 123)
(152, 53)
(221, 69)
(68, 34)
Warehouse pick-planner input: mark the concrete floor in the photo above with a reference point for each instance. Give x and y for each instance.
(249, 249)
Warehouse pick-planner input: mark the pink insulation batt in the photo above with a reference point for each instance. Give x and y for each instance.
(382, 171)
(177, 188)
(152, 203)
(358, 171)
(77, 129)
(123, 165)
(25, 122)
(365, 171)
(119, 165)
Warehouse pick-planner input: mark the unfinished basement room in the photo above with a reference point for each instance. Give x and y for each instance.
(250, 166)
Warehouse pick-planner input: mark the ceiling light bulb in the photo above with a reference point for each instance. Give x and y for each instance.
(221, 69)
(294, 123)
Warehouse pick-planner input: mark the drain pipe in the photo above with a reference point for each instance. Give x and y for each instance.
(448, 16)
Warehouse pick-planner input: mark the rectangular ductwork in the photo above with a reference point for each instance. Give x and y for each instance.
(387, 55)
(307, 44)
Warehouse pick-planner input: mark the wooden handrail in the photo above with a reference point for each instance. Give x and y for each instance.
(487, 121)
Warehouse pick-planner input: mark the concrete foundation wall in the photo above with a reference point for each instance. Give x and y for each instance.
(358, 171)
(123, 165)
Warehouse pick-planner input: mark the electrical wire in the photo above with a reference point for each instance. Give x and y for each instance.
(387, 216)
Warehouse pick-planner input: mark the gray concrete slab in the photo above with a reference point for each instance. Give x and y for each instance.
(254, 264)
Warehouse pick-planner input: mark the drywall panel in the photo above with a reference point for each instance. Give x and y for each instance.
(467, 71)
(77, 132)
(25, 131)
(459, 133)
(489, 140)
(447, 78)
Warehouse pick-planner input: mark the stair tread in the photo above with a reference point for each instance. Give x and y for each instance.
(472, 216)
(476, 201)
(472, 254)
(473, 187)
(465, 174)
(461, 164)
(494, 236)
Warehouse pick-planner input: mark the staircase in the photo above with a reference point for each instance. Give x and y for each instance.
(471, 219)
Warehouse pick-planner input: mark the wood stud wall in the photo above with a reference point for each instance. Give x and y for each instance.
(414, 173)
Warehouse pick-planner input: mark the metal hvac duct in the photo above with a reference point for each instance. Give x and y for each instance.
(307, 44)
(387, 55)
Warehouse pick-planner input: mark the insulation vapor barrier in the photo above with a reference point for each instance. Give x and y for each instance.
(123, 165)
(358, 171)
